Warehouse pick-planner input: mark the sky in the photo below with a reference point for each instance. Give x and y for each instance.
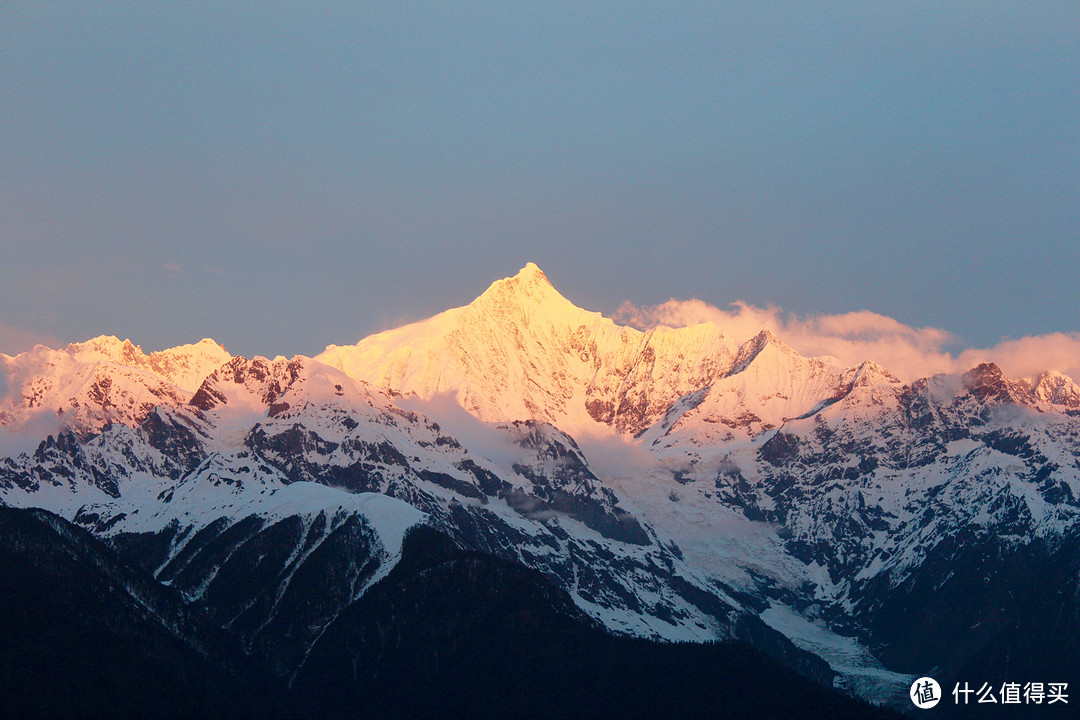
(284, 176)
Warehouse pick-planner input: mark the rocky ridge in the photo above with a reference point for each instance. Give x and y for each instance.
(675, 483)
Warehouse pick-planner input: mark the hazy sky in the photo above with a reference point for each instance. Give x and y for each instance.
(282, 176)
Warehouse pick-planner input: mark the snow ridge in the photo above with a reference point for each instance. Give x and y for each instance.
(675, 483)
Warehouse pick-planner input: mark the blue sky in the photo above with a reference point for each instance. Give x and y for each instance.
(282, 176)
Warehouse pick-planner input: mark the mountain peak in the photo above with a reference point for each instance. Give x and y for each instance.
(183, 367)
(105, 347)
(869, 373)
(527, 280)
(755, 346)
(1055, 388)
(986, 381)
(983, 374)
(531, 271)
(766, 337)
(125, 352)
(528, 290)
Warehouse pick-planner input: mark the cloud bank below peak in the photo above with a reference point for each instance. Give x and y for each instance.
(853, 337)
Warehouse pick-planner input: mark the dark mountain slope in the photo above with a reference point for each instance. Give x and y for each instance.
(448, 633)
(83, 635)
(451, 633)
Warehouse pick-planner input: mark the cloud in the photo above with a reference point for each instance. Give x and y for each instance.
(14, 339)
(853, 337)
(1031, 355)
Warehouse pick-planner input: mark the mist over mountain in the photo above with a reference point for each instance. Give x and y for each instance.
(683, 482)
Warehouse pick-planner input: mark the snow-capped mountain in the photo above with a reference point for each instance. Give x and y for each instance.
(523, 351)
(104, 380)
(675, 483)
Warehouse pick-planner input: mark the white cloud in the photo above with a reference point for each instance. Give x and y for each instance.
(14, 339)
(853, 337)
(1031, 355)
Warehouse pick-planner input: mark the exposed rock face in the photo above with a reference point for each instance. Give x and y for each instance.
(673, 483)
(523, 351)
(87, 386)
